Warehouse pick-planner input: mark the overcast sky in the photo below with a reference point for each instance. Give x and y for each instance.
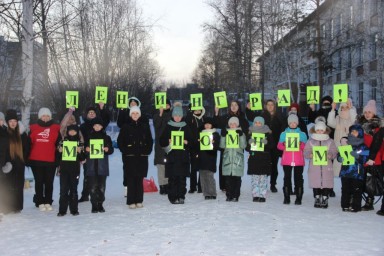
(178, 36)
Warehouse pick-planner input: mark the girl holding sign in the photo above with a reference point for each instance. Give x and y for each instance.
(292, 142)
(260, 142)
(320, 150)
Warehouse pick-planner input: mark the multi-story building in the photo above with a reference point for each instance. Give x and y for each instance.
(344, 37)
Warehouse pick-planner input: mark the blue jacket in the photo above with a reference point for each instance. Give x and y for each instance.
(355, 171)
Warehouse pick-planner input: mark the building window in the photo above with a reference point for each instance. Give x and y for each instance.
(361, 94)
(374, 89)
(324, 31)
(374, 48)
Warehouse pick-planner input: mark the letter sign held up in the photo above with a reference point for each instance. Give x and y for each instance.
(206, 140)
(258, 145)
(345, 153)
(121, 99)
(220, 99)
(255, 101)
(177, 138)
(284, 98)
(196, 101)
(160, 100)
(71, 99)
(292, 142)
(313, 94)
(101, 94)
(232, 139)
(96, 148)
(319, 154)
(340, 93)
(69, 151)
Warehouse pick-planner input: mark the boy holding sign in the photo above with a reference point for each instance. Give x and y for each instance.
(72, 151)
(320, 150)
(352, 172)
(292, 142)
(98, 147)
(260, 142)
(176, 140)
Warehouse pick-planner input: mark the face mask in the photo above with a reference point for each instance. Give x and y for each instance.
(326, 105)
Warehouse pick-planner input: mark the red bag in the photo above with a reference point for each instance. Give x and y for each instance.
(149, 185)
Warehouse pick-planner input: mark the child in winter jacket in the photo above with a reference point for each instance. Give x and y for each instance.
(98, 168)
(207, 164)
(69, 173)
(292, 159)
(259, 161)
(320, 176)
(352, 176)
(233, 159)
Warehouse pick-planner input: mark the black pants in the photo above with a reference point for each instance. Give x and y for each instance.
(97, 188)
(69, 179)
(85, 192)
(274, 172)
(194, 178)
(44, 176)
(135, 191)
(233, 185)
(351, 189)
(177, 187)
(297, 176)
(222, 178)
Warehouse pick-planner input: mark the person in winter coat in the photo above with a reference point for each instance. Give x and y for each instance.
(177, 165)
(98, 169)
(124, 117)
(352, 176)
(17, 154)
(70, 172)
(207, 161)
(222, 122)
(85, 129)
(371, 125)
(4, 158)
(325, 108)
(195, 121)
(160, 121)
(233, 159)
(320, 177)
(135, 143)
(259, 161)
(293, 160)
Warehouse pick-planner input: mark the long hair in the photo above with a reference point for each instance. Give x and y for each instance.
(15, 144)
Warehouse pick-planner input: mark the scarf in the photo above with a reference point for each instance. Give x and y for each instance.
(259, 129)
(175, 124)
(319, 137)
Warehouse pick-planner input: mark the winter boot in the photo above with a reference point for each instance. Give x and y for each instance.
(287, 199)
(317, 195)
(95, 208)
(324, 200)
(162, 190)
(100, 207)
(368, 204)
(299, 195)
(332, 193)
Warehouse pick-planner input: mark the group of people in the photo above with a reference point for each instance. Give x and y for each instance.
(42, 146)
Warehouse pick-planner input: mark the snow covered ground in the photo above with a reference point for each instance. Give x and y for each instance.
(199, 227)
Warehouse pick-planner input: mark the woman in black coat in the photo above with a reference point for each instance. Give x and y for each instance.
(135, 143)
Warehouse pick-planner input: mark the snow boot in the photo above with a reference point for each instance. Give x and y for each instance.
(287, 199)
(368, 204)
(324, 200)
(95, 209)
(317, 195)
(299, 195)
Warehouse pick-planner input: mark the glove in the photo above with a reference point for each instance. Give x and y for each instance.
(251, 141)
(240, 132)
(7, 168)
(224, 132)
(370, 162)
(355, 154)
(264, 141)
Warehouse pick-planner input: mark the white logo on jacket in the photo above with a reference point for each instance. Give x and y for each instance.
(44, 135)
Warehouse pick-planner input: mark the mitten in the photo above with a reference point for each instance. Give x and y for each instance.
(224, 132)
(7, 167)
(240, 132)
(264, 141)
(251, 141)
(355, 154)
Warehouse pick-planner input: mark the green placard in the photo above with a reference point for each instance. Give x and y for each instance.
(255, 101)
(319, 154)
(69, 151)
(232, 140)
(206, 140)
(220, 99)
(72, 99)
(121, 99)
(196, 101)
(160, 100)
(345, 153)
(101, 94)
(284, 98)
(177, 140)
(313, 94)
(340, 93)
(258, 145)
(96, 148)
(292, 141)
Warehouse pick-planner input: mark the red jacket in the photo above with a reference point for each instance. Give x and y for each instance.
(368, 141)
(43, 142)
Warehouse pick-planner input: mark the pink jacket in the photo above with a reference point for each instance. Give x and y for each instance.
(292, 158)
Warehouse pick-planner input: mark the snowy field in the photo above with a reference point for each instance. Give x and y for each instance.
(199, 227)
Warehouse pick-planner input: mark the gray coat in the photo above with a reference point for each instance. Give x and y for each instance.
(233, 158)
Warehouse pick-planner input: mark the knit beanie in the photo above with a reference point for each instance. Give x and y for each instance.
(292, 118)
(327, 98)
(320, 126)
(44, 112)
(90, 109)
(234, 120)
(97, 120)
(294, 105)
(134, 109)
(11, 115)
(177, 111)
(259, 119)
(371, 106)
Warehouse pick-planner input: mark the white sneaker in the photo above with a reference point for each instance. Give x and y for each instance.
(132, 206)
(48, 207)
(42, 208)
(139, 205)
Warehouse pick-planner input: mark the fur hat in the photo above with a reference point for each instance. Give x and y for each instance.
(371, 106)
(259, 119)
(292, 118)
(177, 111)
(44, 112)
(134, 109)
(11, 114)
(234, 120)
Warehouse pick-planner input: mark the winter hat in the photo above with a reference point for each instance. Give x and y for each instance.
(294, 105)
(326, 98)
(259, 119)
(2, 116)
(209, 120)
(11, 114)
(73, 127)
(90, 109)
(320, 126)
(134, 109)
(138, 103)
(234, 120)
(320, 119)
(44, 112)
(357, 128)
(371, 106)
(97, 120)
(343, 105)
(292, 118)
(177, 111)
